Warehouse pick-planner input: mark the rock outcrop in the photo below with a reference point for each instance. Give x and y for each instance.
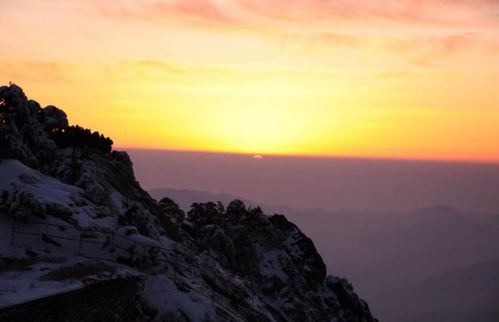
(42, 139)
(233, 252)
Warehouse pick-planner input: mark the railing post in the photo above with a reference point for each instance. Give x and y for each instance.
(252, 294)
(12, 235)
(79, 243)
(175, 266)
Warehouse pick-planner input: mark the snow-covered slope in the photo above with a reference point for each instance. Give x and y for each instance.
(16, 176)
(71, 213)
(27, 192)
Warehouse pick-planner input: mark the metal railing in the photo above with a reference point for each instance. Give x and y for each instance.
(108, 245)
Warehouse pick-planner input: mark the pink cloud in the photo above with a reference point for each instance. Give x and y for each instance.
(422, 31)
(301, 11)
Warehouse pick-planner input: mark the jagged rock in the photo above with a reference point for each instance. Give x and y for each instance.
(54, 118)
(277, 259)
(171, 210)
(21, 204)
(315, 268)
(12, 95)
(239, 258)
(33, 135)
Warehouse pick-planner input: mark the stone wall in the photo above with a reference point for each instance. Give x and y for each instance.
(114, 300)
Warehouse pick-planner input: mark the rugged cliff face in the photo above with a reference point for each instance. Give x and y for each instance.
(42, 139)
(236, 259)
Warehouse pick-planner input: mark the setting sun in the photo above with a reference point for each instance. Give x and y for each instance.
(251, 78)
(249, 160)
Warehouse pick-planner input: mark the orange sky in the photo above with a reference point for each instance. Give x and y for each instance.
(402, 79)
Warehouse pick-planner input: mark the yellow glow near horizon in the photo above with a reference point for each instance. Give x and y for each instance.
(259, 78)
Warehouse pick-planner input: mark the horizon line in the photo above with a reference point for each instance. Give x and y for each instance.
(469, 161)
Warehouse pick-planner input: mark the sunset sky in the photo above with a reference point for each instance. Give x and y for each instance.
(380, 78)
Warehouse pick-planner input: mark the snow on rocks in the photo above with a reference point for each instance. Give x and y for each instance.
(79, 199)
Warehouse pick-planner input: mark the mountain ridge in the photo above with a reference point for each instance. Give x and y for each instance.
(436, 247)
(231, 251)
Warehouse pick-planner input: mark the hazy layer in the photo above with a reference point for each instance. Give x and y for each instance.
(331, 184)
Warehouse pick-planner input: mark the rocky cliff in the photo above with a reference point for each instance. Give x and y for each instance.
(195, 265)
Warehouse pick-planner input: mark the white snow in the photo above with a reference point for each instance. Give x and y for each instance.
(15, 175)
(164, 295)
(22, 285)
(161, 290)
